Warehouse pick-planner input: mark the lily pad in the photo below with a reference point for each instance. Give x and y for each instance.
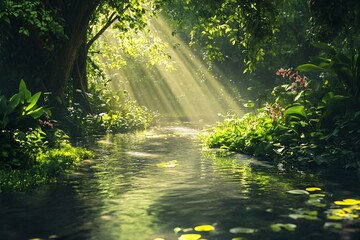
(313, 189)
(190, 236)
(277, 227)
(204, 228)
(332, 225)
(348, 202)
(317, 195)
(302, 216)
(242, 230)
(298, 192)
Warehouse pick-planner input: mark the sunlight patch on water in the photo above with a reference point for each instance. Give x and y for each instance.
(143, 154)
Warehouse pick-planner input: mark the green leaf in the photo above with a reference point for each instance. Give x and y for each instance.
(308, 67)
(302, 216)
(22, 86)
(3, 104)
(332, 225)
(190, 236)
(242, 230)
(277, 227)
(24, 93)
(296, 110)
(32, 101)
(12, 104)
(204, 228)
(298, 192)
(37, 113)
(249, 105)
(5, 121)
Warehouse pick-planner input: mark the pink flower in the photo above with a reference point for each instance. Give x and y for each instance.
(288, 73)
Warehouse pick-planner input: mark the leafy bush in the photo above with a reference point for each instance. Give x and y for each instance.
(251, 134)
(309, 121)
(32, 150)
(22, 127)
(112, 111)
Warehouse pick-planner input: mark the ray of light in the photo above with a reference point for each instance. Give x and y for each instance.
(191, 91)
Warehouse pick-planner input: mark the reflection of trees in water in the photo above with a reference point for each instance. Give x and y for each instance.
(229, 192)
(55, 210)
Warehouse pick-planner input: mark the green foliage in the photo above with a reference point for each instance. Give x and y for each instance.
(22, 136)
(32, 151)
(335, 22)
(112, 111)
(247, 24)
(252, 134)
(47, 167)
(341, 70)
(34, 16)
(310, 121)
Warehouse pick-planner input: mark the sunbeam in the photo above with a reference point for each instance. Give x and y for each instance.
(190, 92)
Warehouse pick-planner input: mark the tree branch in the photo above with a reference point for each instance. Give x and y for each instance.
(113, 17)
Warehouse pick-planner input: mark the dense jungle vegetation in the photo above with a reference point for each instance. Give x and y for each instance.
(53, 87)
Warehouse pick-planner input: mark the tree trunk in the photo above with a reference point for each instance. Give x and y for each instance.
(79, 79)
(77, 15)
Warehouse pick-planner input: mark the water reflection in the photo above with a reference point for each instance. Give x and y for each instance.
(142, 186)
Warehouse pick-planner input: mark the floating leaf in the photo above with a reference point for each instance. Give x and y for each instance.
(348, 202)
(356, 208)
(316, 202)
(242, 230)
(177, 229)
(313, 189)
(204, 228)
(339, 214)
(302, 216)
(190, 236)
(298, 192)
(317, 195)
(332, 225)
(277, 227)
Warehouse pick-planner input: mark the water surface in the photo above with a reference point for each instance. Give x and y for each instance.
(142, 186)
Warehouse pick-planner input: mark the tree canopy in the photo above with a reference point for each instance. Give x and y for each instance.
(46, 43)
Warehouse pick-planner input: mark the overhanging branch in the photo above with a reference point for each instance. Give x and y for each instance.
(113, 17)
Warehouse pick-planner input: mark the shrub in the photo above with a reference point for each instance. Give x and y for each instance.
(308, 121)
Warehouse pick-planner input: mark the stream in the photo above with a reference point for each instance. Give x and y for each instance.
(162, 183)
